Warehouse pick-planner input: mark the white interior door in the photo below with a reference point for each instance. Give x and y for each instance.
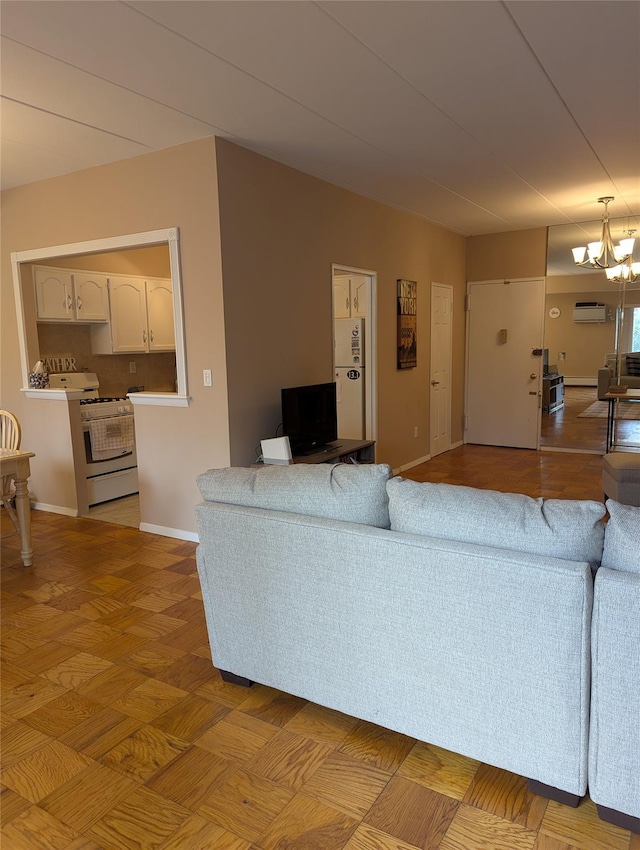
(504, 374)
(440, 378)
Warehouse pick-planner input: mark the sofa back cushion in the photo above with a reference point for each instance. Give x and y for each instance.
(349, 492)
(560, 528)
(633, 364)
(622, 538)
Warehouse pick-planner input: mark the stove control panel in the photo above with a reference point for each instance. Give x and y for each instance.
(100, 408)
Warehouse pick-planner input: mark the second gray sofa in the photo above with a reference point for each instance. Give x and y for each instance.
(456, 616)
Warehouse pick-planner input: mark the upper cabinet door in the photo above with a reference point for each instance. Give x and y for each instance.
(341, 298)
(359, 297)
(162, 335)
(91, 297)
(129, 331)
(54, 295)
(351, 297)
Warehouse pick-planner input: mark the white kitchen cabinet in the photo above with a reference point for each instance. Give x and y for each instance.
(91, 297)
(161, 329)
(141, 317)
(350, 297)
(63, 295)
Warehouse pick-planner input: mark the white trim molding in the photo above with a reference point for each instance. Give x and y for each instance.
(169, 236)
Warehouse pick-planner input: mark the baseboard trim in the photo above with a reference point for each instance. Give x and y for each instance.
(411, 464)
(164, 531)
(580, 381)
(54, 509)
(571, 451)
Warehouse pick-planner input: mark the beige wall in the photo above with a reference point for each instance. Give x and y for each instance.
(585, 345)
(172, 188)
(503, 256)
(281, 231)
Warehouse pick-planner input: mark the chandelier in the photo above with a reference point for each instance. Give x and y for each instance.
(626, 272)
(604, 254)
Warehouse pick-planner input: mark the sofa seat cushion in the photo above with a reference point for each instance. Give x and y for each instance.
(622, 538)
(349, 492)
(559, 528)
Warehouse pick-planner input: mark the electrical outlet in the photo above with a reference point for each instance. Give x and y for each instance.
(562, 356)
(132, 367)
(415, 431)
(206, 377)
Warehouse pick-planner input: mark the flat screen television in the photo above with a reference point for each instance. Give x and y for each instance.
(309, 417)
(545, 361)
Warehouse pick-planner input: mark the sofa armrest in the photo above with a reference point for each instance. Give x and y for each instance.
(614, 738)
(605, 376)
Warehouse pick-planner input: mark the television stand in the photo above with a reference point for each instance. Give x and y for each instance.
(341, 451)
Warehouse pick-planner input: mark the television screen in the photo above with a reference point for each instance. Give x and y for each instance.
(309, 417)
(545, 361)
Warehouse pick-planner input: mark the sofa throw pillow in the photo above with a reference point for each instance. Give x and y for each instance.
(349, 492)
(622, 538)
(633, 365)
(560, 528)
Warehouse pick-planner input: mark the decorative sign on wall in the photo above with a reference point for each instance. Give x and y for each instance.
(60, 364)
(407, 318)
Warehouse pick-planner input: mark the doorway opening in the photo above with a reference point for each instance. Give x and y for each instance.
(354, 299)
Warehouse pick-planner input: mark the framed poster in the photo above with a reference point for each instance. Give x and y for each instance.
(407, 317)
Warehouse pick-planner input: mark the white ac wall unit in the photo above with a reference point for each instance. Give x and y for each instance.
(590, 314)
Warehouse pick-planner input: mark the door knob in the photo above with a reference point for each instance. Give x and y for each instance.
(533, 376)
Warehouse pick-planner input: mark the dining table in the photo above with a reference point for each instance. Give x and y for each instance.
(15, 464)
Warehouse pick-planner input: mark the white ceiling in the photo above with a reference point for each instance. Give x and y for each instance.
(480, 116)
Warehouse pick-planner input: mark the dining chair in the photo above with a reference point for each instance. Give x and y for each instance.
(10, 436)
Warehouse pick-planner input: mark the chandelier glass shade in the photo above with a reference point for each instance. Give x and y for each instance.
(603, 254)
(627, 272)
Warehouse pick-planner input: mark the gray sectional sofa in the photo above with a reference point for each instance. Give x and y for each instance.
(456, 616)
(629, 372)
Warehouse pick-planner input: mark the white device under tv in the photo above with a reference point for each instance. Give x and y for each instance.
(276, 451)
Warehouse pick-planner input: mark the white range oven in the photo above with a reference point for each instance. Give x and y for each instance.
(110, 464)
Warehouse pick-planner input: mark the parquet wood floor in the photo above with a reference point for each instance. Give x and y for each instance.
(119, 734)
(565, 430)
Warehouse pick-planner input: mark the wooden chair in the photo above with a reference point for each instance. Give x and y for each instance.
(10, 436)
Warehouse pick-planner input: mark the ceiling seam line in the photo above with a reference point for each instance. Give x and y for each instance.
(503, 3)
(432, 103)
(153, 100)
(369, 144)
(74, 121)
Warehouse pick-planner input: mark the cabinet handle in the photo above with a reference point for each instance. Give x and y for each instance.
(151, 336)
(69, 303)
(346, 303)
(78, 303)
(144, 336)
(355, 303)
